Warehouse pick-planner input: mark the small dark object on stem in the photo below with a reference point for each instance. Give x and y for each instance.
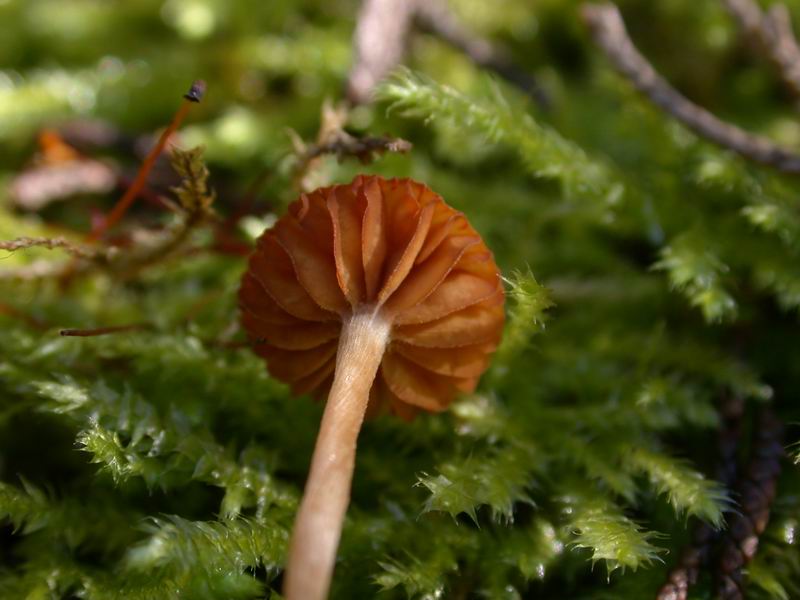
(103, 330)
(197, 91)
(608, 30)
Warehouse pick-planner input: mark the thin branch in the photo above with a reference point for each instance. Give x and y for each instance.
(434, 16)
(193, 96)
(363, 149)
(608, 30)
(381, 39)
(379, 44)
(333, 139)
(773, 36)
(122, 263)
(72, 248)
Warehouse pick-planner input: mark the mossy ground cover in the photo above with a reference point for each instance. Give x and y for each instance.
(650, 276)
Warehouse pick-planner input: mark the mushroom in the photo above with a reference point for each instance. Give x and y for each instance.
(383, 296)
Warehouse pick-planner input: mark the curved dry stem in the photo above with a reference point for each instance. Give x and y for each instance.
(316, 533)
(194, 95)
(609, 32)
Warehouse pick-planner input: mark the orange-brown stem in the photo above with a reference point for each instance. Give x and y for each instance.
(120, 208)
(315, 538)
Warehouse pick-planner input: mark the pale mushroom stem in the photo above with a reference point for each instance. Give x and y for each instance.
(315, 538)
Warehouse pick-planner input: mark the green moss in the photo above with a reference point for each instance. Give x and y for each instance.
(648, 275)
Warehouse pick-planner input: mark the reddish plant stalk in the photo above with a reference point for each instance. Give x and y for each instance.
(315, 538)
(120, 208)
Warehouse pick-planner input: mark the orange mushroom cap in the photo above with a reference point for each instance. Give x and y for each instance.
(392, 246)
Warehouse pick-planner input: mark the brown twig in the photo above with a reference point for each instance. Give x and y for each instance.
(381, 38)
(72, 248)
(610, 34)
(149, 248)
(434, 16)
(103, 330)
(364, 149)
(772, 34)
(333, 139)
(193, 96)
(757, 491)
(698, 552)
(379, 43)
